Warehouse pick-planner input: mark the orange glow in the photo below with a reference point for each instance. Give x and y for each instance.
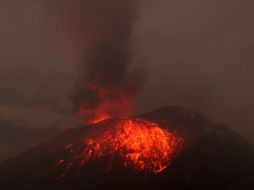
(111, 101)
(140, 144)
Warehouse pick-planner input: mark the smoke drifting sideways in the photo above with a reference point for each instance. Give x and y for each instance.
(107, 87)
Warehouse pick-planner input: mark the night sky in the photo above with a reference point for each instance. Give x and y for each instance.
(197, 54)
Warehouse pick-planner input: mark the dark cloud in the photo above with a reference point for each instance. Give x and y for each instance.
(199, 54)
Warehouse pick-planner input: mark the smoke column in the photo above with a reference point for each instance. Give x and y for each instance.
(106, 87)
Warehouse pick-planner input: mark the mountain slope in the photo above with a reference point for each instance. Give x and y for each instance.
(214, 157)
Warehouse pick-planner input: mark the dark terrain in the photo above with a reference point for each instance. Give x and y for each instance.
(214, 157)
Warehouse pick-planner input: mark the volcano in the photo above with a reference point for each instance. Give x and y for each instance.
(170, 148)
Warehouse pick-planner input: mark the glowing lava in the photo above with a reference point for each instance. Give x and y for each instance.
(140, 144)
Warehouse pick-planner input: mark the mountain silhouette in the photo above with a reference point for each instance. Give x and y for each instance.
(213, 156)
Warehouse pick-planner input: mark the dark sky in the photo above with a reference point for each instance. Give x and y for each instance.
(197, 53)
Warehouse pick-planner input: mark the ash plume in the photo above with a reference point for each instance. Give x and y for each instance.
(106, 87)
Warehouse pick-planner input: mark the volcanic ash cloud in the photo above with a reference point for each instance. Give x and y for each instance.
(107, 87)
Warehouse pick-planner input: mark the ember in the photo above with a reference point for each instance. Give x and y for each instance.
(140, 144)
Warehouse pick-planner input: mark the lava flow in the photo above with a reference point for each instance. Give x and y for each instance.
(140, 144)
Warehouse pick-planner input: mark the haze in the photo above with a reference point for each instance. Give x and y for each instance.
(196, 53)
